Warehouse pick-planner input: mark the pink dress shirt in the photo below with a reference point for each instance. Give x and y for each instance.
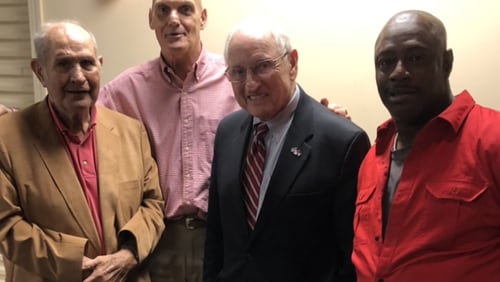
(181, 121)
(444, 221)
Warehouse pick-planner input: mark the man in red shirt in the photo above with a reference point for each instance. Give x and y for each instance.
(428, 203)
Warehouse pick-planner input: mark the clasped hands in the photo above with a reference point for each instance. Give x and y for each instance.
(108, 268)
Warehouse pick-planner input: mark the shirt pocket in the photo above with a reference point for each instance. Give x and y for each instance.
(452, 209)
(205, 148)
(365, 214)
(456, 191)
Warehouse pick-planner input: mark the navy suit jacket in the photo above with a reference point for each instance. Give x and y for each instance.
(304, 229)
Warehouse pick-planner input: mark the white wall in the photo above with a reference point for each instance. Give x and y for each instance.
(334, 39)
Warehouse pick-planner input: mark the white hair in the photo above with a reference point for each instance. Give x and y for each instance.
(259, 28)
(41, 41)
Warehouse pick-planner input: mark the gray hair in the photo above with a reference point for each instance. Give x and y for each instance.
(260, 28)
(41, 42)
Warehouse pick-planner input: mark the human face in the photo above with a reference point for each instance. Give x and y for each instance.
(412, 69)
(262, 96)
(177, 25)
(70, 70)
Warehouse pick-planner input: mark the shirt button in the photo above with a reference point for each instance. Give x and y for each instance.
(84, 163)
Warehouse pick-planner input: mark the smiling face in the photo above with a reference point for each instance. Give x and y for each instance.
(262, 96)
(412, 68)
(177, 25)
(69, 69)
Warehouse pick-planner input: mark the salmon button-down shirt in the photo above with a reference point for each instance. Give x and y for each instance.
(181, 118)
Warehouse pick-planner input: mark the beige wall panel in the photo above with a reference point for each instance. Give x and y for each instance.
(17, 67)
(16, 85)
(14, 49)
(16, 2)
(14, 13)
(15, 31)
(18, 100)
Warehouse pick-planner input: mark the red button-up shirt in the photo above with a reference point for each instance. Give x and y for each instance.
(444, 221)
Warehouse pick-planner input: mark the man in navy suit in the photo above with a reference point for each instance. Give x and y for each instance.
(300, 225)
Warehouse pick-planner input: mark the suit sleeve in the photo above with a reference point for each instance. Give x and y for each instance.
(56, 256)
(213, 258)
(146, 225)
(345, 204)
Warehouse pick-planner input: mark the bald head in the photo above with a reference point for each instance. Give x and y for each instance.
(428, 24)
(197, 2)
(72, 28)
(412, 66)
(260, 28)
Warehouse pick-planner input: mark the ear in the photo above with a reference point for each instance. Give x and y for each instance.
(204, 17)
(101, 60)
(37, 69)
(293, 59)
(150, 18)
(447, 62)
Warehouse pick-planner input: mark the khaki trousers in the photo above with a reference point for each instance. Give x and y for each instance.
(178, 257)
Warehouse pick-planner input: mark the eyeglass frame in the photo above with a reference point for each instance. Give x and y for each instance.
(274, 61)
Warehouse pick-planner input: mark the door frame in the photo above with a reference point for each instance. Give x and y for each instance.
(35, 9)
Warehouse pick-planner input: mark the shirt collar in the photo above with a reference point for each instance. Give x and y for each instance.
(61, 128)
(285, 115)
(198, 68)
(452, 117)
(458, 111)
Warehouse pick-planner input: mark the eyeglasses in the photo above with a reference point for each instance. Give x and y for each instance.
(260, 69)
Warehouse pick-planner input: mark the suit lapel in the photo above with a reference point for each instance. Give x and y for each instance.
(49, 145)
(237, 155)
(292, 158)
(108, 144)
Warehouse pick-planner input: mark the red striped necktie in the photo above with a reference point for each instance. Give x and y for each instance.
(254, 167)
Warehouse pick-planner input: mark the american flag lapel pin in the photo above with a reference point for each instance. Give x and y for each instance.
(296, 151)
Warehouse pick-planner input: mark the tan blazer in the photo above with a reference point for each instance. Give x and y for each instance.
(45, 224)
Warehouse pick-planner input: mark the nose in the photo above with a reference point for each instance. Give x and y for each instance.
(251, 81)
(76, 75)
(173, 17)
(399, 71)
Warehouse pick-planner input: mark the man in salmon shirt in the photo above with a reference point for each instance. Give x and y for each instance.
(428, 204)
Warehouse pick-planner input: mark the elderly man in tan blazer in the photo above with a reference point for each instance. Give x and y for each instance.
(79, 192)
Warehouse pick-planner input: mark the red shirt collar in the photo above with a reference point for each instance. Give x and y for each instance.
(62, 128)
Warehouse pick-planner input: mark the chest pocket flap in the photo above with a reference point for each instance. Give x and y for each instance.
(365, 193)
(455, 190)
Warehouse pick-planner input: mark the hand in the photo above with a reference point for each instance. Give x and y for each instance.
(109, 268)
(4, 109)
(336, 108)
